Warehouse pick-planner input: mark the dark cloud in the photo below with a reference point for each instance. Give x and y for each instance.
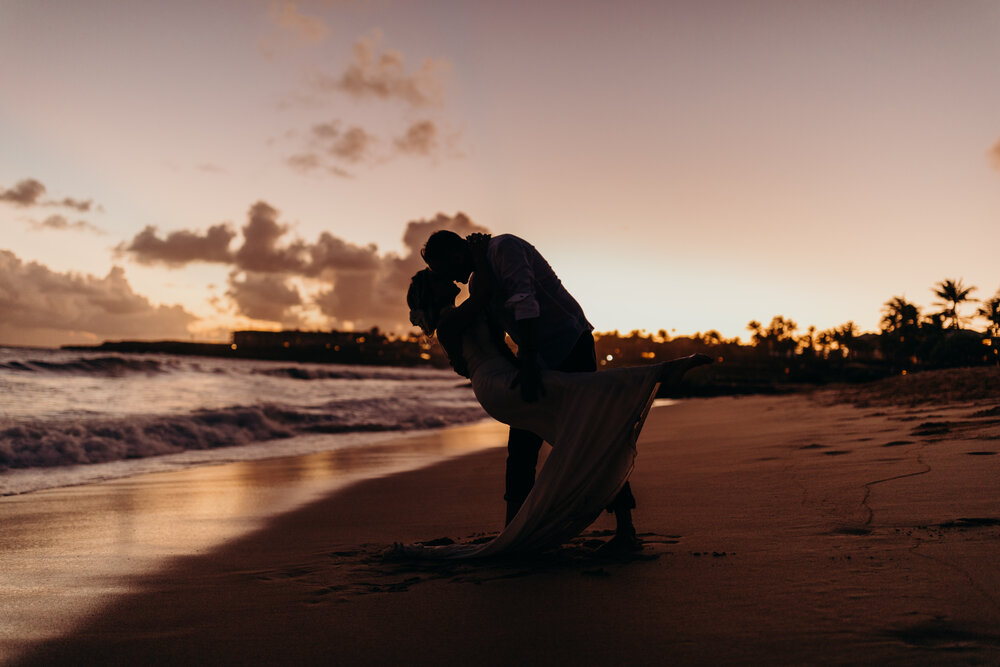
(378, 296)
(421, 138)
(60, 223)
(42, 306)
(25, 193)
(263, 297)
(262, 250)
(350, 283)
(330, 253)
(29, 191)
(181, 247)
(381, 73)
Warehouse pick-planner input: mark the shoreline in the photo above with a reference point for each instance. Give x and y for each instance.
(76, 545)
(778, 529)
(22, 481)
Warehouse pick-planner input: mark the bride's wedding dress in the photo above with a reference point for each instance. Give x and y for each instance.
(592, 421)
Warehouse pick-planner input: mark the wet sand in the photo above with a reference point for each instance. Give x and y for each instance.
(778, 530)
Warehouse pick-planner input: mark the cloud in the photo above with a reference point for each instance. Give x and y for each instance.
(60, 223)
(69, 202)
(304, 162)
(330, 253)
(180, 247)
(329, 146)
(28, 192)
(261, 250)
(291, 29)
(353, 145)
(342, 282)
(42, 306)
(420, 138)
(262, 297)
(378, 296)
(25, 193)
(381, 73)
(994, 155)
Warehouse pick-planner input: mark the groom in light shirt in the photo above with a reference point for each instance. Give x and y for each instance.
(530, 303)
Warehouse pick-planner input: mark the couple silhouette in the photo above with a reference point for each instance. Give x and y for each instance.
(549, 391)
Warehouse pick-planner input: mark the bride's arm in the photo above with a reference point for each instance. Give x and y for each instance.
(480, 289)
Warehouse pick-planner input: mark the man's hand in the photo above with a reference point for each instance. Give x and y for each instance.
(529, 378)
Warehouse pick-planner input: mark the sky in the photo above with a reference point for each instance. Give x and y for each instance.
(182, 169)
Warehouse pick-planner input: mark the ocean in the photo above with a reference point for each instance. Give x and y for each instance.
(71, 417)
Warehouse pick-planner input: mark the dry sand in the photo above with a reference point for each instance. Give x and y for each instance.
(778, 530)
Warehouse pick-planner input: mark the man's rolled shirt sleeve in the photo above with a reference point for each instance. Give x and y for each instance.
(524, 306)
(528, 288)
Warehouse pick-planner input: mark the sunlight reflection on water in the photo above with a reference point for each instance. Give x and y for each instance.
(64, 551)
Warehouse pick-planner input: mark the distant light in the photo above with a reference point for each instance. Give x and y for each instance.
(361, 339)
(286, 344)
(904, 372)
(233, 346)
(648, 355)
(425, 356)
(610, 357)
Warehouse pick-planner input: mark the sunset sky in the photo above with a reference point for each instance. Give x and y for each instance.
(179, 169)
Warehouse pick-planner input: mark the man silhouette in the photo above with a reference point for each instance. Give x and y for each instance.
(530, 303)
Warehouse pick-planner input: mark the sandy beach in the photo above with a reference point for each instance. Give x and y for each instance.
(778, 530)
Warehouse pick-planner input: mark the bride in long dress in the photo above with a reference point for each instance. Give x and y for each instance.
(591, 420)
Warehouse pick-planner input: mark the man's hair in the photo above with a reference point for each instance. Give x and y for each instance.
(441, 244)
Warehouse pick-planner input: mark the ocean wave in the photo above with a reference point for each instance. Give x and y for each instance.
(94, 366)
(31, 444)
(313, 373)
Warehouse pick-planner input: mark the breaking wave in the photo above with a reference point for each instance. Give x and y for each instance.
(313, 373)
(94, 366)
(57, 443)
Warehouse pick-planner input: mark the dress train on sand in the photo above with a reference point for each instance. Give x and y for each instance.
(592, 421)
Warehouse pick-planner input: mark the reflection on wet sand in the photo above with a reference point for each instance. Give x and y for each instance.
(65, 552)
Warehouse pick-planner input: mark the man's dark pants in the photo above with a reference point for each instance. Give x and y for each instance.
(523, 446)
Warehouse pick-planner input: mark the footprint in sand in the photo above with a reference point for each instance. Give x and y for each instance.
(837, 452)
(813, 446)
(981, 453)
(971, 522)
(898, 443)
(932, 428)
(938, 633)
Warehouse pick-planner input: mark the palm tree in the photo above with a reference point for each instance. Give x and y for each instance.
(900, 331)
(756, 330)
(899, 315)
(845, 335)
(991, 311)
(952, 294)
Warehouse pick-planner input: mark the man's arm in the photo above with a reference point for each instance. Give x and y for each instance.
(516, 275)
(529, 373)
